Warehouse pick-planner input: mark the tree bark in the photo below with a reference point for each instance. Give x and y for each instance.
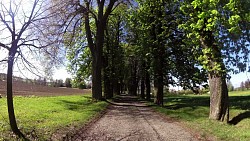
(219, 101)
(97, 77)
(142, 88)
(158, 51)
(148, 86)
(142, 78)
(108, 89)
(11, 112)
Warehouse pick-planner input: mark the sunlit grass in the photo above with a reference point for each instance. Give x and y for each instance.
(193, 110)
(45, 115)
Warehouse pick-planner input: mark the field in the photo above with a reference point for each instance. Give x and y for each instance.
(42, 117)
(193, 111)
(42, 111)
(25, 89)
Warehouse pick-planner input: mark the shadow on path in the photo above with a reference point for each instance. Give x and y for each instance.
(127, 100)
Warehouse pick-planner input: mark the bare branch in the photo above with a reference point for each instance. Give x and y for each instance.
(4, 46)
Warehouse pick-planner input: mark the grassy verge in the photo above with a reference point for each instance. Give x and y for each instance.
(42, 116)
(193, 111)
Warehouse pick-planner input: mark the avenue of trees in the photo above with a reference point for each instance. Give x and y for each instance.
(139, 46)
(154, 42)
(158, 43)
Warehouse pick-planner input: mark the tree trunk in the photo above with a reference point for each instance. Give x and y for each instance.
(97, 77)
(143, 79)
(116, 88)
(158, 73)
(134, 79)
(108, 89)
(158, 90)
(142, 88)
(97, 62)
(148, 86)
(219, 103)
(11, 112)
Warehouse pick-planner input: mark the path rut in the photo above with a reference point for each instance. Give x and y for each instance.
(128, 119)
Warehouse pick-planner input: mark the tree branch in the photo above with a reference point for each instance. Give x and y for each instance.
(4, 46)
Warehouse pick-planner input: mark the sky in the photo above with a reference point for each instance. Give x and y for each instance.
(238, 78)
(59, 73)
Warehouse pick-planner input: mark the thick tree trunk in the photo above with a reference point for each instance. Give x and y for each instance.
(158, 74)
(11, 112)
(97, 62)
(219, 103)
(158, 90)
(97, 77)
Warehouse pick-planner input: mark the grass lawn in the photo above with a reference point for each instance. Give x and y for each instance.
(193, 111)
(42, 116)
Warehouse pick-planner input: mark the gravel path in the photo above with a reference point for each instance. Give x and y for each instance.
(127, 119)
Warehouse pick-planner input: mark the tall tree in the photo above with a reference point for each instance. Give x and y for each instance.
(93, 15)
(211, 25)
(17, 24)
(114, 52)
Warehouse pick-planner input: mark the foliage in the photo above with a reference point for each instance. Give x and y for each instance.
(228, 21)
(48, 114)
(68, 83)
(79, 62)
(178, 63)
(230, 86)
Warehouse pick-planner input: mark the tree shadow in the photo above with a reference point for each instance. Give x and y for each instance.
(127, 100)
(240, 102)
(185, 101)
(239, 118)
(76, 105)
(126, 104)
(236, 102)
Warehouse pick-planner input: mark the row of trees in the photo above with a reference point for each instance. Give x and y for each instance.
(41, 81)
(123, 44)
(158, 41)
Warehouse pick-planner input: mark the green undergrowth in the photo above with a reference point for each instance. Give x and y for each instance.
(40, 117)
(193, 111)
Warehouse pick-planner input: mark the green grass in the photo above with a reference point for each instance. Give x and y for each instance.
(45, 115)
(193, 111)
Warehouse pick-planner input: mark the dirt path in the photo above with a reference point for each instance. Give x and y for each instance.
(127, 119)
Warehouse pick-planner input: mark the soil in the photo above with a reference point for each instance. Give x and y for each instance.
(128, 119)
(27, 89)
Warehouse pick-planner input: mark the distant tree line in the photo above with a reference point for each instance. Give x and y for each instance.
(69, 83)
(244, 85)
